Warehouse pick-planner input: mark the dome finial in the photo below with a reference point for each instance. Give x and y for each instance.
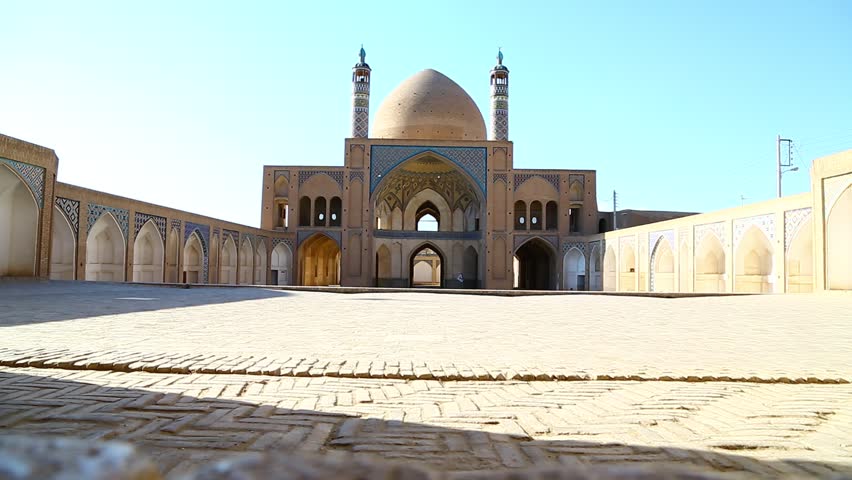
(362, 53)
(499, 55)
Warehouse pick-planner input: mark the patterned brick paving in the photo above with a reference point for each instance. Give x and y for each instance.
(183, 420)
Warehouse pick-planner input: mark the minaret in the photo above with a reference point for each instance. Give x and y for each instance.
(361, 97)
(499, 100)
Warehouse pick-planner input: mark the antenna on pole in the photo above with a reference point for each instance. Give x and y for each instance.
(614, 210)
(780, 165)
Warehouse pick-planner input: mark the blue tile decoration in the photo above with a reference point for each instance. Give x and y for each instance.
(336, 175)
(581, 246)
(175, 225)
(159, 221)
(204, 235)
(501, 176)
(121, 216)
(235, 236)
(384, 158)
(303, 235)
(33, 176)
(71, 210)
(793, 220)
(285, 241)
(553, 178)
(356, 174)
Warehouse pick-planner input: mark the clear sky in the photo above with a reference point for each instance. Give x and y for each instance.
(675, 104)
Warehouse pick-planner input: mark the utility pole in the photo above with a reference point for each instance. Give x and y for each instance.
(778, 158)
(614, 210)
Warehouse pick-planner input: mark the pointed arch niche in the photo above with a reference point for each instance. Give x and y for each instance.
(63, 247)
(19, 215)
(105, 250)
(148, 254)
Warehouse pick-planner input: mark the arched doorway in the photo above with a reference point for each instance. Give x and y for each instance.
(193, 260)
(63, 247)
(574, 270)
(710, 265)
(18, 226)
(838, 240)
(662, 267)
(228, 261)
(595, 271)
(535, 265)
(260, 263)
(425, 267)
(148, 254)
(800, 260)
(246, 262)
(471, 268)
(282, 259)
(753, 263)
(383, 266)
(610, 270)
(105, 251)
(319, 261)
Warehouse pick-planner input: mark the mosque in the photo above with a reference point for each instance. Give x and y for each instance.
(427, 196)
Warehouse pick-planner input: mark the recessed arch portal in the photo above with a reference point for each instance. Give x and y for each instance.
(425, 267)
(535, 265)
(710, 265)
(63, 247)
(19, 214)
(105, 250)
(838, 240)
(319, 261)
(662, 267)
(193, 259)
(574, 270)
(228, 261)
(753, 263)
(148, 254)
(282, 261)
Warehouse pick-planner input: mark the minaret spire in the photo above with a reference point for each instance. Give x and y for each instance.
(499, 100)
(361, 96)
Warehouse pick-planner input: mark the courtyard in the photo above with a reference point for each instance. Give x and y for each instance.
(737, 385)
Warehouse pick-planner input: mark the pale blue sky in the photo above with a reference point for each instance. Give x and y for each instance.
(676, 104)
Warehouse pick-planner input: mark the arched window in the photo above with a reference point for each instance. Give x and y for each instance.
(427, 218)
(335, 212)
(305, 212)
(535, 215)
(520, 215)
(552, 215)
(320, 219)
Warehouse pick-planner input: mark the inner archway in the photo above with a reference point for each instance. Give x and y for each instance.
(574, 270)
(753, 265)
(535, 265)
(18, 226)
(710, 265)
(838, 239)
(62, 247)
(228, 261)
(319, 261)
(425, 267)
(105, 251)
(193, 260)
(282, 259)
(148, 254)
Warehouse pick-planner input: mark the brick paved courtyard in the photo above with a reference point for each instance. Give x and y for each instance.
(374, 374)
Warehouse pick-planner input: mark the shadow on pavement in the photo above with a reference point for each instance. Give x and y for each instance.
(183, 421)
(26, 302)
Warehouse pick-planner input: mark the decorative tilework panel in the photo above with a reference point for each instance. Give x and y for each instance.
(569, 245)
(285, 241)
(71, 209)
(235, 236)
(204, 234)
(175, 224)
(303, 235)
(141, 218)
(793, 220)
(121, 216)
(384, 158)
(553, 178)
(501, 176)
(33, 176)
(356, 175)
(766, 223)
(701, 231)
(216, 231)
(336, 175)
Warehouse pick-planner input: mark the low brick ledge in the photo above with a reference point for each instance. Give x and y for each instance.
(377, 369)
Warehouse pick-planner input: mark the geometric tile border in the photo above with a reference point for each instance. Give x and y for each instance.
(32, 175)
(121, 216)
